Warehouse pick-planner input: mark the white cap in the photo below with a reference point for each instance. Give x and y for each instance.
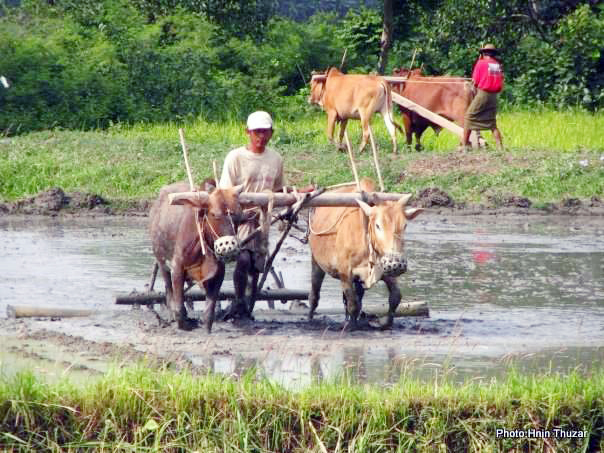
(259, 120)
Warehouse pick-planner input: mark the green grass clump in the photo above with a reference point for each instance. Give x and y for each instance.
(140, 409)
(549, 156)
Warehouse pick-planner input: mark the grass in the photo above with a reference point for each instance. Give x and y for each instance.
(140, 409)
(550, 156)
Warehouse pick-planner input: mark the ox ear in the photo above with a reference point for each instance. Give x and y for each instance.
(404, 199)
(209, 185)
(412, 213)
(365, 207)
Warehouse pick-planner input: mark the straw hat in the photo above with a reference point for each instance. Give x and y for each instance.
(489, 48)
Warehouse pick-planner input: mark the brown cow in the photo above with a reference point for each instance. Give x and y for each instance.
(345, 96)
(177, 249)
(444, 95)
(341, 248)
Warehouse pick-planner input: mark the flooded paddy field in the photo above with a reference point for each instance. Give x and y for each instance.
(502, 290)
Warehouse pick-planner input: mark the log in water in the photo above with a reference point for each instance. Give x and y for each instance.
(28, 311)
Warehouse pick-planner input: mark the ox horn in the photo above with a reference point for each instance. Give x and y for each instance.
(365, 207)
(404, 199)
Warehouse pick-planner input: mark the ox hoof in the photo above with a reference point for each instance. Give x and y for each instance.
(187, 324)
(383, 323)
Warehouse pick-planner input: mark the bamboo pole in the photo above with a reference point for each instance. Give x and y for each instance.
(151, 298)
(354, 166)
(375, 159)
(419, 308)
(404, 309)
(288, 199)
(435, 118)
(28, 311)
(183, 144)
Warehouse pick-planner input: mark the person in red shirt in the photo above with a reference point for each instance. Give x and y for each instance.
(487, 77)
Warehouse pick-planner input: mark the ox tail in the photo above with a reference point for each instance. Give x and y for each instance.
(388, 92)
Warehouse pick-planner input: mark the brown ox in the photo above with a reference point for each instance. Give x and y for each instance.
(177, 249)
(444, 95)
(345, 96)
(341, 248)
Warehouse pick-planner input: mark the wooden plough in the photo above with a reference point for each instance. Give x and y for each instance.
(293, 203)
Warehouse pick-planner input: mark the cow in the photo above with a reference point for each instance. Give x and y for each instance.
(346, 96)
(359, 246)
(175, 237)
(447, 96)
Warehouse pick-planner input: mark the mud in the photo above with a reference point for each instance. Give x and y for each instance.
(502, 289)
(56, 201)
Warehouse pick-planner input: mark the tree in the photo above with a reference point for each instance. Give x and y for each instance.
(386, 39)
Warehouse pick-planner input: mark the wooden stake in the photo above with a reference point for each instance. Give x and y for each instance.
(375, 159)
(343, 58)
(215, 172)
(413, 59)
(183, 144)
(354, 167)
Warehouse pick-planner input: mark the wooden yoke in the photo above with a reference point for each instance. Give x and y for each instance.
(288, 199)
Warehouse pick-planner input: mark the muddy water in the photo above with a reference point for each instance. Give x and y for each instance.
(501, 290)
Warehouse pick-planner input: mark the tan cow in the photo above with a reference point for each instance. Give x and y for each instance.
(346, 96)
(341, 248)
(445, 95)
(176, 245)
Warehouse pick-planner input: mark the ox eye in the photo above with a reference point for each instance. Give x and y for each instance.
(378, 227)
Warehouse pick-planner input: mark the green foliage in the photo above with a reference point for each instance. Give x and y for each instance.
(552, 50)
(89, 63)
(360, 32)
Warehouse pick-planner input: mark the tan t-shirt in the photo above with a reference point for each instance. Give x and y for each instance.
(257, 172)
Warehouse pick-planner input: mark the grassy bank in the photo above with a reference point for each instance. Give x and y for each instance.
(141, 409)
(550, 156)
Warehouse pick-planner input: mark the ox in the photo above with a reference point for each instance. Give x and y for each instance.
(447, 96)
(177, 248)
(341, 248)
(345, 96)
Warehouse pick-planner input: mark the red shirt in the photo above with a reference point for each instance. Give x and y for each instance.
(488, 75)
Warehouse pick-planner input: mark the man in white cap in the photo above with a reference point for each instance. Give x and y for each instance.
(259, 169)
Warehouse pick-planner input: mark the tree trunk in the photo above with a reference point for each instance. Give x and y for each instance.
(386, 39)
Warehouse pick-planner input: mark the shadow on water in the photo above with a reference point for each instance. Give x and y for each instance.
(524, 291)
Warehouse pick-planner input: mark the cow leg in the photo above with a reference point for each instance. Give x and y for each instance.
(342, 146)
(408, 130)
(394, 298)
(165, 273)
(353, 306)
(418, 140)
(360, 292)
(177, 306)
(317, 276)
(365, 127)
(212, 288)
(331, 122)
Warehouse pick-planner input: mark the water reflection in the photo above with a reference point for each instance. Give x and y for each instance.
(532, 292)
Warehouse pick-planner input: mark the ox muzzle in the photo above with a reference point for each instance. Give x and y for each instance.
(393, 264)
(226, 248)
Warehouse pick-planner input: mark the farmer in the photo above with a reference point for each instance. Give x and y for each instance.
(259, 169)
(487, 77)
